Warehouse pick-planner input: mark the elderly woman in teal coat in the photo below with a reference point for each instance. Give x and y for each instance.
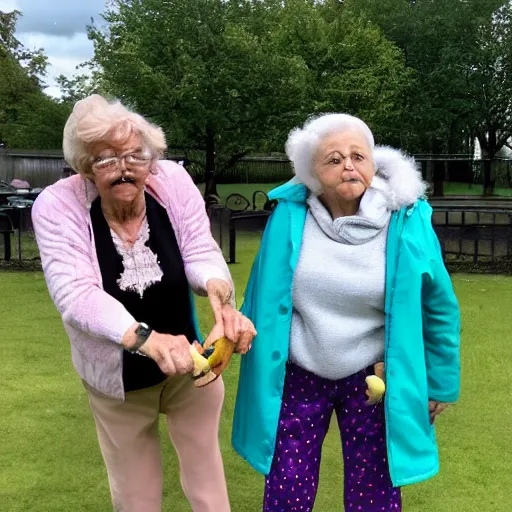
(349, 274)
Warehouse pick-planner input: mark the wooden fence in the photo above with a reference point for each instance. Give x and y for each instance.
(44, 168)
(38, 168)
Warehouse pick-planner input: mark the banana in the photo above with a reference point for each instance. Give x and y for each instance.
(207, 369)
(222, 351)
(376, 389)
(201, 365)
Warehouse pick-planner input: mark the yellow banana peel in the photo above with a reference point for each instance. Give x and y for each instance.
(222, 351)
(206, 370)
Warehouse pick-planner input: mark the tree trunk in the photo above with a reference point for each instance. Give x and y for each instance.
(210, 184)
(489, 178)
(438, 175)
(454, 140)
(437, 169)
(488, 154)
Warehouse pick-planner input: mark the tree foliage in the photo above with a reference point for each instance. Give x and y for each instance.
(33, 61)
(490, 82)
(29, 119)
(234, 76)
(458, 50)
(80, 85)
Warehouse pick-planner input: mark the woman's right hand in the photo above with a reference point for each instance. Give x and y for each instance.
(171, 353)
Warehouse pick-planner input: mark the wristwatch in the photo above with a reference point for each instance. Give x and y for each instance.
(143, 332)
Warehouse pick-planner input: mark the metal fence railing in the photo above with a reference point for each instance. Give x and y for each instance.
(480, 236)
(228, 225)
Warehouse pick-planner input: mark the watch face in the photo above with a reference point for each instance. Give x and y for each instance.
(143, 330)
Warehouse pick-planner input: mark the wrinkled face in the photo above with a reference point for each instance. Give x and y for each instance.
(120, 171)
(343, 164)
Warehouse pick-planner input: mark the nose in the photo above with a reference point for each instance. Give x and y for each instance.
(348, 164)
(122, 164)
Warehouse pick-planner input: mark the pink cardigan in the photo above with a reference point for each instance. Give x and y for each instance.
(94, 321)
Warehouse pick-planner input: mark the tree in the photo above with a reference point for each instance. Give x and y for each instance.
(203, 71)
(38, 123)
(489, 78)
(234, 76)
(34, 62)
(28, 117)
(461, 52)
(439, 39)
(81, 85)
(353, 67)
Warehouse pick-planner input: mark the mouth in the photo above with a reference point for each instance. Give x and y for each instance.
(123, 181)
(352, 180)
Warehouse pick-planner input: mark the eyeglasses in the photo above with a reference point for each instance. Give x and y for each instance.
(113, 163)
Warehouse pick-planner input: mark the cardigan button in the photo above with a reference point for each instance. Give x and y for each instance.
(276, 355)
(283, 310)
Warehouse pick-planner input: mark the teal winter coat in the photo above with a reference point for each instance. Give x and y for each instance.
(422, 325)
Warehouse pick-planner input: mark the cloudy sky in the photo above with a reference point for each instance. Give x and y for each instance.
(58, 26)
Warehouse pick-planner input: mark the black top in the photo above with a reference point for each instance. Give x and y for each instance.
(165, 306)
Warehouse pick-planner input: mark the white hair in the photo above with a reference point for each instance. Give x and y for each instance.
(94, 119)
(303, 142)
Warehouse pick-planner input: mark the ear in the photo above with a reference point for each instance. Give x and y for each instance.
(152, 170)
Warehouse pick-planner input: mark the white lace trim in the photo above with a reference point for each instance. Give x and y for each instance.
(141, 265)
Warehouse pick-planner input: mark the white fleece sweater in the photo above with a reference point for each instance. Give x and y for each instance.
(338, 290)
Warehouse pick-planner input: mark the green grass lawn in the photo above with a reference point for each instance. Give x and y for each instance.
(50, 460)
(467, 189)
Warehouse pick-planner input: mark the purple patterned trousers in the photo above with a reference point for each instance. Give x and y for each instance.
(308, 404)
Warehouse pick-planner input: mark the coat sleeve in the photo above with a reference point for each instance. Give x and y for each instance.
(441, 325)
(202, 257)
(74, 286)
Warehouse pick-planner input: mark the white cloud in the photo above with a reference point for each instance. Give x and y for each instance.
(9, 5)
(61, 17)
(53, 91)
(59, 27)
(76, 46)
(64, 54)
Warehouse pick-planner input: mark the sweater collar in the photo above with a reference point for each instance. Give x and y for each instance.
(366, 224)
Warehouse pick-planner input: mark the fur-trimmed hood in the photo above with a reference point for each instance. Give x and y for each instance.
(396, 177)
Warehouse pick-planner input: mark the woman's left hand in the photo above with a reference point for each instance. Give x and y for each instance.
(435, 408)
(228, 321)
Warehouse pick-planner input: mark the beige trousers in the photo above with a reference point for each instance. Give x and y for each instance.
(129, 442)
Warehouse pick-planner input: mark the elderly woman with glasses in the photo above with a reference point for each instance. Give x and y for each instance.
(122, 245)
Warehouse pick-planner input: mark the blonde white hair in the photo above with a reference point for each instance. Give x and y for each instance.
(303, 142)
(94, 119)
